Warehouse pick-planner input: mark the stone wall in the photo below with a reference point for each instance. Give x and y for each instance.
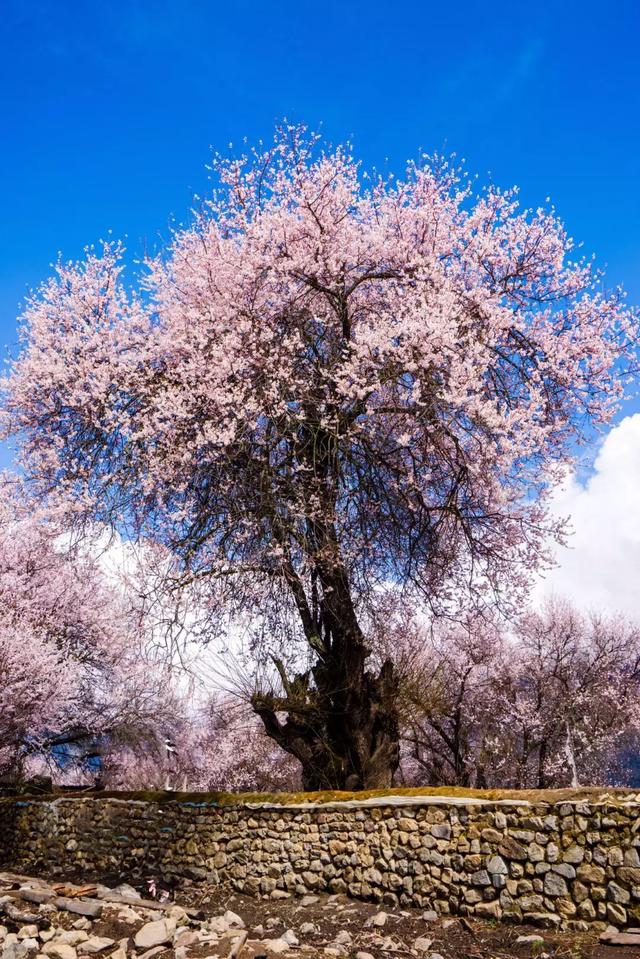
(571, 863)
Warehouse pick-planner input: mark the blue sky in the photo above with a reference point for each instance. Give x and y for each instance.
(108, 110)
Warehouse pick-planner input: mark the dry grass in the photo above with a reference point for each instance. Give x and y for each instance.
(593, 793)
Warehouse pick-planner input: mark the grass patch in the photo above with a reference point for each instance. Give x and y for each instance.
(231, 799)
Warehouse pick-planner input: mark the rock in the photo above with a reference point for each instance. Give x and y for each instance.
(154, 933)
(120, 953)
(219, 924)
(290, 937)
(614, 892)
(124, 889)
(233, 919)
(364, 955)
(488, 910)
(343, 938)
(510, 848)
(276, 946)
(430, 915)
(546, 920)
(496, 866)
(308, 900)
(554, 885)
(620, 938)
(308, 929)
(616, 913)
(72, 937)
(94, 945)
(279, 894)
(179, 914)
(530, 940)
(59, 950)
(129, 915)
(378, 920)
(422, 944)
(28, 932)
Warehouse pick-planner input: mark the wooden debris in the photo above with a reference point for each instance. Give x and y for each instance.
(238, 944)
(117, 899)
(74, 892)
(82, 907)
(18, 915)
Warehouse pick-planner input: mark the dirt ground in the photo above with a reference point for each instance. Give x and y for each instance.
(343, 928)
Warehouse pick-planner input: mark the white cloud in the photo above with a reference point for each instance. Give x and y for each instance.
(601, 566)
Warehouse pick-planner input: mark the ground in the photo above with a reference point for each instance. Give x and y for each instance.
(317, 927)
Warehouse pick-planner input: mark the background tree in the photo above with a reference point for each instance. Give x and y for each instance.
(220, 745)
(74, 673)
(330, 383)
(552, 702)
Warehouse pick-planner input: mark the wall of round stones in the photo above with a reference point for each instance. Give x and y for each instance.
(575, 864)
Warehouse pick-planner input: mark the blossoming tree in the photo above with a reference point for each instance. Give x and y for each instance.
(554, 701)
(328, 383)
(72, 660)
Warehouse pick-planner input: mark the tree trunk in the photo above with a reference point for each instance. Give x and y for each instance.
(344, 732)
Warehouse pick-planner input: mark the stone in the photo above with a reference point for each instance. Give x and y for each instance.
(422, 944)
(554, 885)
(616, 893)
(546, 920)
(59, 950)
(276, 946)
(72, 937)
(510, 848)
(364, 955)
(154, 934)
(496, 866)
(620, 938)
(441, 831)
(124, 889)
(94, 945)
(573, 855)
(290, 937)
(616, 913)
(308, 929)
(430, 915)
(233, 919)
(488, 910)
(379, 919)
(533, 940)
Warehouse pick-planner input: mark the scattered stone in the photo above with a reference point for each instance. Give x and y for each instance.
(276, 946)
(343, 938)
(430, 916)
(59, 950)
(233, 919)
(422, 944)
(530, 940)
(124, 889)
(154, 933)
(378, 920)
(95, 944)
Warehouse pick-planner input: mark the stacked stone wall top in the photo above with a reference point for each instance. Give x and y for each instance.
(570, 863)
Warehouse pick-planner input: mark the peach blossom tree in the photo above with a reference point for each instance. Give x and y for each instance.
(327, 383)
